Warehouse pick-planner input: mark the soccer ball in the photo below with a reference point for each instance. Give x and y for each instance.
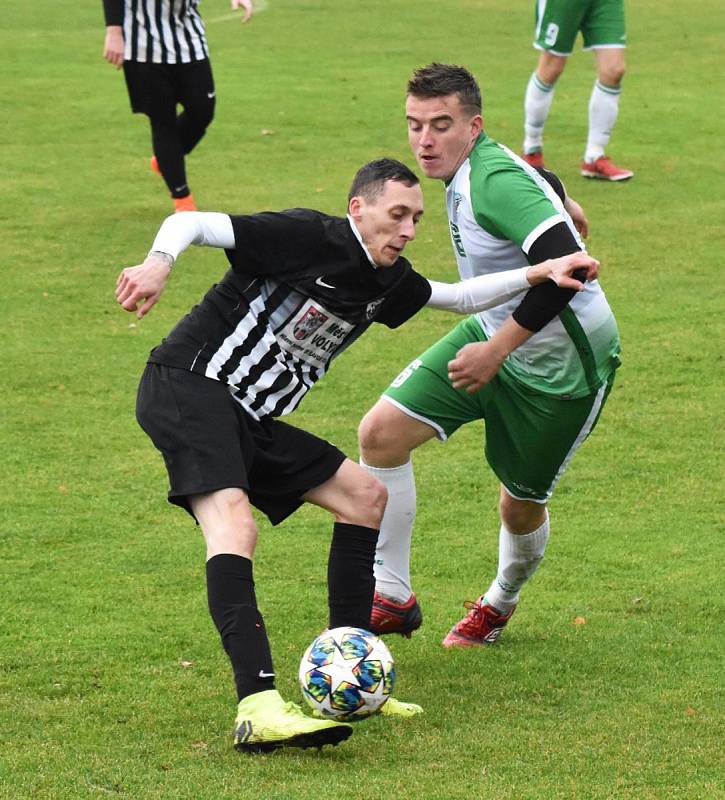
(346, 672)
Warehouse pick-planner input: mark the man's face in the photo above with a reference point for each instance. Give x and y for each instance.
(387, 223)
(441, 133)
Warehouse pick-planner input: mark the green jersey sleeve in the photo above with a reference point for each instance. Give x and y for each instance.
(510, 205)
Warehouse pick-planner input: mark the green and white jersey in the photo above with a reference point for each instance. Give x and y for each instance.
(498, 206)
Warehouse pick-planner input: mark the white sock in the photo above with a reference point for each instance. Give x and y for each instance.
(537, 102)
(519, 557)
(603, 111)
(392, 557)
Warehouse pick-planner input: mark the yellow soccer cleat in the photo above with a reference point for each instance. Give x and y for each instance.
(397, 708)
(265, 722)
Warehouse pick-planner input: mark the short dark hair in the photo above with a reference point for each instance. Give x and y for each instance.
(370, 179)
(439, 80)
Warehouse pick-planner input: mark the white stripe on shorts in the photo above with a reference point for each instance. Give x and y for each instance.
(541, 9)
(437, 428)
(583, 433)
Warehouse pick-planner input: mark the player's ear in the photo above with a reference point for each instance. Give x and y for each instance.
(354, 207)
(476, 125)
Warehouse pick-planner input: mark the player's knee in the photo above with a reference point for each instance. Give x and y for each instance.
(225, 509)
(550, 67)
(611, 74)
(376, 437)
(520, 516)
(368, 433)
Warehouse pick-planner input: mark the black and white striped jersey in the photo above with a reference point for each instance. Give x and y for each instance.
(159, 31)
(300, 290)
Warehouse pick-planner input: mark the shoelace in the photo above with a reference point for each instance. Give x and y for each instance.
(474, 618)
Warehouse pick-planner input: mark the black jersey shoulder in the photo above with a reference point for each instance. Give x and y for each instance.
(291, 242)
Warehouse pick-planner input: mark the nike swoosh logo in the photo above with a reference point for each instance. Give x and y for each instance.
(263, 674)
(210, 94)
(320, 282)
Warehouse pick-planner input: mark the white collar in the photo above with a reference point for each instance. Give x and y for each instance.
(359, 238)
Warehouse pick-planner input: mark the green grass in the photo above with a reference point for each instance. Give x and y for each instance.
(103, 595)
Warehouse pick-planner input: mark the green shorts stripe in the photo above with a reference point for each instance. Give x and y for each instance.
(530, 437)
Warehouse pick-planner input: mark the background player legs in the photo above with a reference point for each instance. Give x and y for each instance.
(198, 100)
(537, 102)
(169, 151)
(604, 100)
(174, 136)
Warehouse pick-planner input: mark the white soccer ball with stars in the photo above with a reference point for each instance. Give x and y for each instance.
(347, 672)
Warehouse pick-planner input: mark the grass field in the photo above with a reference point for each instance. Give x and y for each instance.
(608, 682)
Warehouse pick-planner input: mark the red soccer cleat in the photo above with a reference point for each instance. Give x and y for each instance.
(481, 626)
(390, 617)
(605, 170)
(155, 165)
(535, 159)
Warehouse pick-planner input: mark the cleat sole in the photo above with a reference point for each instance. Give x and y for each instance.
(318, 739)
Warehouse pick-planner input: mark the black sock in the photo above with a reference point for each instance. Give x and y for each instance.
(350, 578)
(233, 607)
(169, 153)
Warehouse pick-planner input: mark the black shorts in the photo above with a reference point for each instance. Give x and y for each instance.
(209, 443)
(155, 89)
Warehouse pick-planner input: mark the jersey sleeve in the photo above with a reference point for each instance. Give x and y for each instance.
(113, 12)
(410, 294)
(509, 205)
(273, 243)
(554, 181)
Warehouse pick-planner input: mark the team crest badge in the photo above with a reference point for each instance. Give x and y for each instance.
(372, 308)
(309, 323)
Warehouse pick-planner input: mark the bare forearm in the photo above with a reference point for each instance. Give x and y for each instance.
(507, 338)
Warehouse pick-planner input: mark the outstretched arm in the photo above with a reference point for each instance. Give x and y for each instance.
(139, 288)
(486, 291)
